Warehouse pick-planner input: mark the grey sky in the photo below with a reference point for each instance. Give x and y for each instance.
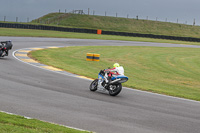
(183, 10)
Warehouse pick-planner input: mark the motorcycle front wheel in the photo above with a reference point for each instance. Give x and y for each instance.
(93, 85)
(115, 89)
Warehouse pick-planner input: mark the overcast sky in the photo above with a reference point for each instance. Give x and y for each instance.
(171, 10)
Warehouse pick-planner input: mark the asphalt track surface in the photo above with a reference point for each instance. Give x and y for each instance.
(37, 93)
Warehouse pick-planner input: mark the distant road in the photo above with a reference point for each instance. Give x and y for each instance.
(48, 96)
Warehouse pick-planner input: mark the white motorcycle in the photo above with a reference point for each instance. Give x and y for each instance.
(114, 87)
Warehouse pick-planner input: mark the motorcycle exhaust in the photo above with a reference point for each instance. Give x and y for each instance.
(114, 81)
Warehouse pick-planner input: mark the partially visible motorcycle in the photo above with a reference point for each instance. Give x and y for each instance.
(114, 87)
(5, 46)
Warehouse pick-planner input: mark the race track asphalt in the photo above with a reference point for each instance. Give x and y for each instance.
(33, 92)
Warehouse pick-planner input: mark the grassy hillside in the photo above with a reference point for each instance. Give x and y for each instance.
(119, 24)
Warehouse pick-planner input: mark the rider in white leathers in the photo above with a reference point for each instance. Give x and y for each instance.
(116, 71)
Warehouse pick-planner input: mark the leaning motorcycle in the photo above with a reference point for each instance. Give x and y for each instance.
(114, 87)
(5, 47)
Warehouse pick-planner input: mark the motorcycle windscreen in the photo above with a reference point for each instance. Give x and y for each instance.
(100, 76)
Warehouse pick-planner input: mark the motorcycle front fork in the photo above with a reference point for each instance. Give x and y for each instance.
(3, 53)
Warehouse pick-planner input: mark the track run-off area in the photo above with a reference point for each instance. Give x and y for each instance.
(62, 98)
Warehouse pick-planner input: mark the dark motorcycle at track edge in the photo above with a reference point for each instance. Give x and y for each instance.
(5, 46)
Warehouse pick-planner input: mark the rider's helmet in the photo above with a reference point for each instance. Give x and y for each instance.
(116, 65)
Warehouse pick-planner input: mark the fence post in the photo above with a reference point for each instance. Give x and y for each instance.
(194, 23)
(88, 11)
(137, 17)
(4, 18)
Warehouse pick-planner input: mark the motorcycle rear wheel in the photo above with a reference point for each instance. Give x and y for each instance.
(115, 89)
(93, 85)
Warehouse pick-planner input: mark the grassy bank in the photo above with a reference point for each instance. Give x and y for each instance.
(170, 71)
(58, 34)
(119, 24)
(19, 124)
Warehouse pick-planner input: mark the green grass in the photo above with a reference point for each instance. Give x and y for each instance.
(170, 71)
(120, 24)
(58, 34)
(18, 124)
